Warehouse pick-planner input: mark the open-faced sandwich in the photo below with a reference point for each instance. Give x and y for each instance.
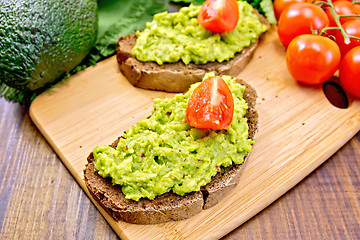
(182, 159)
(177, 49)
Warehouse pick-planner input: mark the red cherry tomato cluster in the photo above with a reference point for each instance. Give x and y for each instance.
(316, 47)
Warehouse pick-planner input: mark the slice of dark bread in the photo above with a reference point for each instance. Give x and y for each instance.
(176, 77)
(169, 206)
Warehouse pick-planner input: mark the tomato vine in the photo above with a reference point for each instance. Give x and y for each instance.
(336, 18)
(320, 40)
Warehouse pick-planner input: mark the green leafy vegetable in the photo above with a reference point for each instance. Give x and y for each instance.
(122, 17)
(195, 2)
(266, 8)
(184, 1)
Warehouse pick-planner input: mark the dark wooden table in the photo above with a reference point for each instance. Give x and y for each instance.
(39, 199)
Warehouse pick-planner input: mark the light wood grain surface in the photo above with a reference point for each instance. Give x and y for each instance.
(41, 200)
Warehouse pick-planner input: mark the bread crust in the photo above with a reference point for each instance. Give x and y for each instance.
(169, 206)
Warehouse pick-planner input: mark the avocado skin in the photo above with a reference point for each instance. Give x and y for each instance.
(42, 40)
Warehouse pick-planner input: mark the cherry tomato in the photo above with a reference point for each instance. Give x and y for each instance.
(349, 72)
(210, 105)
(280, 5)
(298, 19)
(352, 28)
(219, 15)
(312, 59)
(342, 8)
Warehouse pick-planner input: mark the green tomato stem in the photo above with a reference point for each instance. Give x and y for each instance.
(337, 21)
(354, 15)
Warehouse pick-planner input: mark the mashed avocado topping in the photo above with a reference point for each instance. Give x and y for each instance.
(164, 153)
(172, 37)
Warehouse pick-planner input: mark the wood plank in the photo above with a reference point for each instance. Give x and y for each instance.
(296, 135)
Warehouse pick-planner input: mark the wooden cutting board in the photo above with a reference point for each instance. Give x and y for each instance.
(299, 129)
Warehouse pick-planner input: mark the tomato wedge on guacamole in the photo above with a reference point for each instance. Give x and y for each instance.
(219, 15)
(211, 105)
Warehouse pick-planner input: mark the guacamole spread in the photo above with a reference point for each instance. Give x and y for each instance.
(172, 37)
(164, 153)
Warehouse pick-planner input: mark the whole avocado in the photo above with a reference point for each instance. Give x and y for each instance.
(42, 40)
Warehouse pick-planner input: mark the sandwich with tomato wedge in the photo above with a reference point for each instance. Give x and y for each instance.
(176, 49)
(182, 159)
